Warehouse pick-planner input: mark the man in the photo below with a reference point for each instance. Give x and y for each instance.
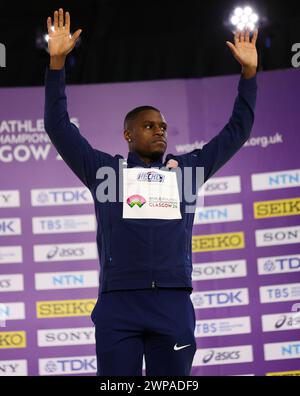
(144, 240)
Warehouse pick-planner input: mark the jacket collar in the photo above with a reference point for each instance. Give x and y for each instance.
(134, 160)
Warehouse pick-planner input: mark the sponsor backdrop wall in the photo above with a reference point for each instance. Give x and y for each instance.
(246, 243)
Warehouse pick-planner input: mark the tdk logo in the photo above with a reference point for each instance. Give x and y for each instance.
(278, 264)
(222, 298)
(68, 365)
(150, 177)
(282, 264)
(7, 227)
(10, 226)
(63, 196)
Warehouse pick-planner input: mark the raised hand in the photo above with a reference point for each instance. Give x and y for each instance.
(61, 42)
(244, 51)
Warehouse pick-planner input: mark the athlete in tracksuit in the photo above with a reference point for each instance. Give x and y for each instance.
(144, 306)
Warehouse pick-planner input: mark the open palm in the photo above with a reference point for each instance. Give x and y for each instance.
(60, 41)
(244, 49)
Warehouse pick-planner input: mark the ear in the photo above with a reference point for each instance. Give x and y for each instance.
(127, 135)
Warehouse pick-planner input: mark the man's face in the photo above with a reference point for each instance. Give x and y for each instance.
(148, 134)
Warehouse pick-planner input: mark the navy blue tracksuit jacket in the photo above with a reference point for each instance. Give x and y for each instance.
(142, 254)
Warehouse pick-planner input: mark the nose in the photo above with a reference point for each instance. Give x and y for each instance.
(159, 131)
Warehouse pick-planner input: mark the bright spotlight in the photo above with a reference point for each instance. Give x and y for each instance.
(238, 11)
(253, 18)
(248, 11)
(234, 20)
(243, 18)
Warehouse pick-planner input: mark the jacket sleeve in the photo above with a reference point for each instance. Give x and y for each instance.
(75, 150)
(233, 136)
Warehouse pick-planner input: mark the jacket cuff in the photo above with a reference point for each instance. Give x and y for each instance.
(55, 75)
(248, 83)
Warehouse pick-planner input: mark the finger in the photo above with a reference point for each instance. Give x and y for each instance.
(232, 48)
(49, 25)
(76, 35)
(61, 18)
(237, 37)
(242, 37)
(247, 35)
(254, 38)
(68, 20)
(55, 19)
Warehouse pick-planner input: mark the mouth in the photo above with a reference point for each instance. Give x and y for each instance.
(159, 141)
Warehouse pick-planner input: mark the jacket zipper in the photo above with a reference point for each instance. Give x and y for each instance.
(151, 247)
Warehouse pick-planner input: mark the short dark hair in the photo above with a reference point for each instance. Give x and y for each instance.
(134, 113)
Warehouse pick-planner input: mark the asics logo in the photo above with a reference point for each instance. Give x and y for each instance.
(177, 348)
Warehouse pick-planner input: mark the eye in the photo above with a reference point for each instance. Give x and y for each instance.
(148, 126)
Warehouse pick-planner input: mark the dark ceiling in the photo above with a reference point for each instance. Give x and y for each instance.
(134, 40)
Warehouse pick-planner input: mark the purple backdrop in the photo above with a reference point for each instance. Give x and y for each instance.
(230, 335)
